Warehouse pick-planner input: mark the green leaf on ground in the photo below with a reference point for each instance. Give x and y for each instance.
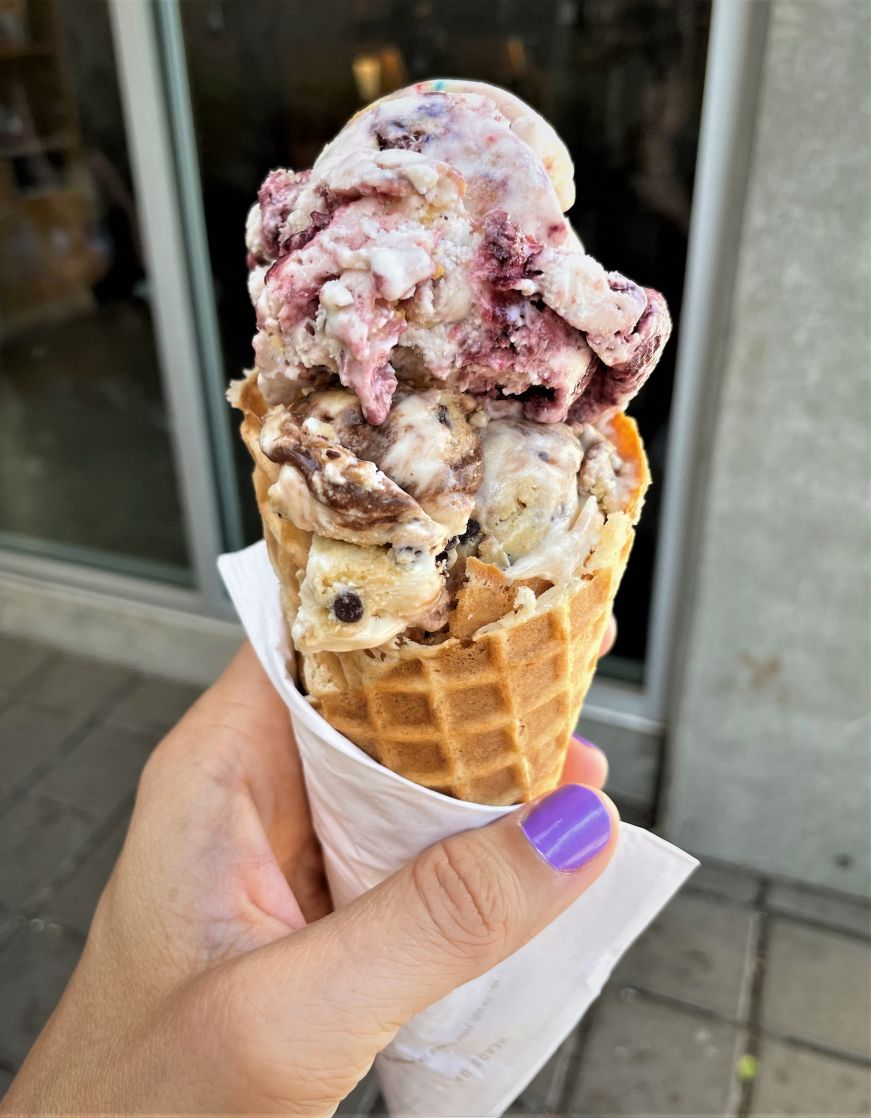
(747, 1067)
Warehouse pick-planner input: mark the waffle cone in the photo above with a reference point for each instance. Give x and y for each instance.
(487, 714)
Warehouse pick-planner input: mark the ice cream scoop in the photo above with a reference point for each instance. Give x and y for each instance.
(530, 484)
(426, 445)
(436, 367)
(428, 246)
(361, 597)
(326, 489)
(384, 504)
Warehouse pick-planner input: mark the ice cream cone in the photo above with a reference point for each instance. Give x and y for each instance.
(486, 714)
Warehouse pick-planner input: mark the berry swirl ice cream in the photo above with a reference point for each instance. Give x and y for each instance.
(437, 361)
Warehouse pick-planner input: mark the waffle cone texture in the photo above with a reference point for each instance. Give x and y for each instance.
(487, 714)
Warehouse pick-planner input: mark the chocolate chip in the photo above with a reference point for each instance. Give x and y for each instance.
(443, 417)
(472, 532)
(541, 454)
(333, 454)
(348, 606)
(442, 557)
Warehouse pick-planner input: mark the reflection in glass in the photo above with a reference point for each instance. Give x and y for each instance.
(85, 464)
(622, 81)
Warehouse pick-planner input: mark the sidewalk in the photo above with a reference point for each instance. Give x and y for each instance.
(747, 997)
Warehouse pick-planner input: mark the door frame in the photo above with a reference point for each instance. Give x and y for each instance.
(732, 78)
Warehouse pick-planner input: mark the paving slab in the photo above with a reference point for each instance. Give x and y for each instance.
(362, 1100)
(154, 704)
(72, 683)
(727, 882)
(817, 987)
(646, 1058)
(74, 902)
(831, 909)
(542, 1095)
(19, 659)
(37, 837)
(699, 951)
(101, 772)
(34, 968)
(30, 738)
(6, 920)
(796, 1081)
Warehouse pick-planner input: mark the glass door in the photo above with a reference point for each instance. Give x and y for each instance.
(271, 81)
(87, 467)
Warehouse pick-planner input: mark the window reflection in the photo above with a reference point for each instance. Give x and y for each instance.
(85, 465)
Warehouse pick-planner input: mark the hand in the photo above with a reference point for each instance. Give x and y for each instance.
(215, 978)
(610, 636)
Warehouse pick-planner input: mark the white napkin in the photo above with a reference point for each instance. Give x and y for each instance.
(474, 1051)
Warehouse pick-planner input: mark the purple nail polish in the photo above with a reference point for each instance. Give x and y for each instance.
(569, 827)
(586, 743)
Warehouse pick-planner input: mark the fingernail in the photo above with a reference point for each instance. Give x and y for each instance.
(586, 743)
(569, 827)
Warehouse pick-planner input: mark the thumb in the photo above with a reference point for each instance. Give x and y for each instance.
(457, 910)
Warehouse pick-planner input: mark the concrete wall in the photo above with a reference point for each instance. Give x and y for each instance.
(173, 642)
(769, 753)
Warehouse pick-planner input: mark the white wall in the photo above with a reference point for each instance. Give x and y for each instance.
(769, 750)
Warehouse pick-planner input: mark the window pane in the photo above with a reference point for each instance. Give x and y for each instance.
(86, 470)
(622, 81)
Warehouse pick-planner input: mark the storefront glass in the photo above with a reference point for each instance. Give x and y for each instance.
(86, 470)
(271, 81)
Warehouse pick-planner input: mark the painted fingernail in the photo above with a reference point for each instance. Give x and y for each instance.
(586, 743)
(569, 827)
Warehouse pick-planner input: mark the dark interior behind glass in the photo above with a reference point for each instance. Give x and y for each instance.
(86, 467)
(622, 80)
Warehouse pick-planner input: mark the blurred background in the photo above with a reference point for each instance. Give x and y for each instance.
(722, 156)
